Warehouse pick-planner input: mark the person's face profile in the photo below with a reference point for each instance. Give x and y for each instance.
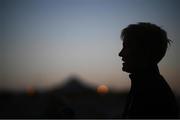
(132, 56)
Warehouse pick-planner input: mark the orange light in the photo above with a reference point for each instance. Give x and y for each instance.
(102, 89)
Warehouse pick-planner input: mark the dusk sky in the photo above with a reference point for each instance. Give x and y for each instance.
(43, 42)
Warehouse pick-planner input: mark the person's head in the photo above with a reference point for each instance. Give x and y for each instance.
(144, 45)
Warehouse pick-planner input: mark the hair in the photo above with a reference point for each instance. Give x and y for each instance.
(149, 37)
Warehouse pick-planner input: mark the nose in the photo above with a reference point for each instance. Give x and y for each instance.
(121, 53)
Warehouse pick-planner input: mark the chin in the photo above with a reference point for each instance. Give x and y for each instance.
(125, 69)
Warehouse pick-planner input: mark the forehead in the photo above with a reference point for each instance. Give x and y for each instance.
(132, 43)
(128, 43)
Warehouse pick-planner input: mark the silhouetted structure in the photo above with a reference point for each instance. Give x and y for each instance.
(144, 45)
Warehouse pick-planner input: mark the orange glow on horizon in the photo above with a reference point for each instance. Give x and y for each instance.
(102, 89)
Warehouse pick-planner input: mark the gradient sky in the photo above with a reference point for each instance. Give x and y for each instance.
(45, 41)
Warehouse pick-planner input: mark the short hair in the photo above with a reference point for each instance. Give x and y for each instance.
(150, 37)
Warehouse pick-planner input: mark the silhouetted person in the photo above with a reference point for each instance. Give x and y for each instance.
(144, 45)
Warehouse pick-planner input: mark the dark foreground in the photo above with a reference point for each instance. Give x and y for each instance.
(73, 100)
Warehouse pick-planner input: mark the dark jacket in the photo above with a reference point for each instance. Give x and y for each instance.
(150, 97)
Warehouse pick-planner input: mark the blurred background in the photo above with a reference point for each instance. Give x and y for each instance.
(65, 53)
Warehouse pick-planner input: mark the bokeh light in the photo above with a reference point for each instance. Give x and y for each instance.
(102, 89)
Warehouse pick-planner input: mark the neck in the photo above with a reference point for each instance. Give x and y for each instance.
(140, 76)
(149, 69)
